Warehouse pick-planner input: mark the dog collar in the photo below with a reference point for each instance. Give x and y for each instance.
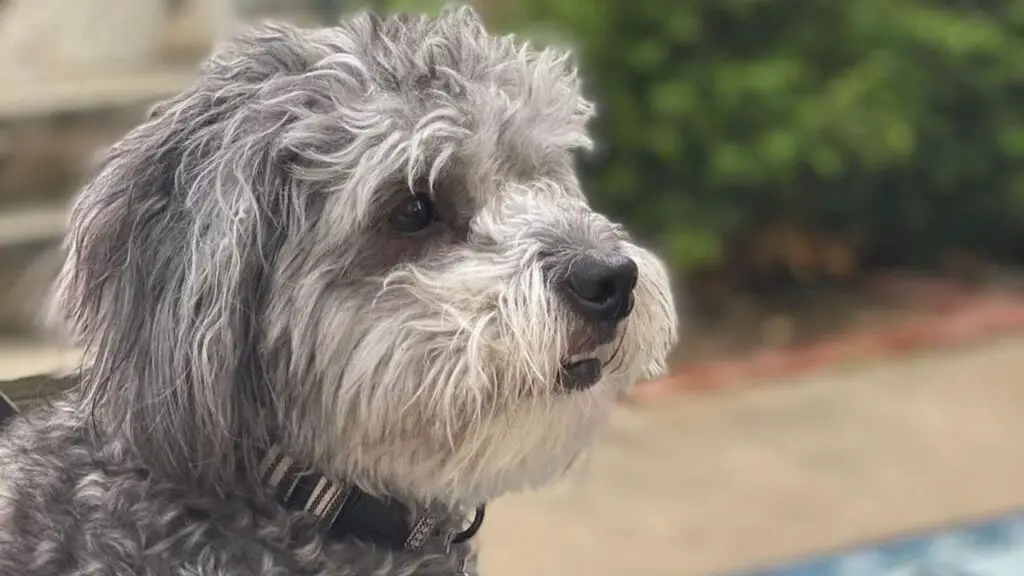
(345, 511)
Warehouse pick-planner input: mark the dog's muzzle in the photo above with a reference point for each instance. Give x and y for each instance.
(599, 289)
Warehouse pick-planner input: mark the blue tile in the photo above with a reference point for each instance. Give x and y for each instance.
(990, 548)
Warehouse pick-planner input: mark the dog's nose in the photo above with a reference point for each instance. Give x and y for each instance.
(600, 288)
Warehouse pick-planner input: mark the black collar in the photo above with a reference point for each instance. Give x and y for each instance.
(346, 511)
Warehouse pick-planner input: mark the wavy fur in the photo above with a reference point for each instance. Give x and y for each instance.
(233, 280)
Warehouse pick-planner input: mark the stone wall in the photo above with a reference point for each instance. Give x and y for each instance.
(75, 75)
(55, 40)
(45, 39)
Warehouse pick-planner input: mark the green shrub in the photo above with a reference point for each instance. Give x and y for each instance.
(896, 126)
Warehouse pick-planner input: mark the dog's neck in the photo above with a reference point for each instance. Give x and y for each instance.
(344, 511)
(347, 512)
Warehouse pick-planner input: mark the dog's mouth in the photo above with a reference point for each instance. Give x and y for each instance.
(580, 372)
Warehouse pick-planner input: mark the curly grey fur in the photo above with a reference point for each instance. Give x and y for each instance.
(232, 278)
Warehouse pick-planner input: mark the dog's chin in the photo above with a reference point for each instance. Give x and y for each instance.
(580, 373)
(539, 443)
(586, 366)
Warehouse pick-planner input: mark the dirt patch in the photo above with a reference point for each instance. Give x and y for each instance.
(781, 336)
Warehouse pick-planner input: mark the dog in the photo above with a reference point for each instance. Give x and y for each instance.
(332, 298)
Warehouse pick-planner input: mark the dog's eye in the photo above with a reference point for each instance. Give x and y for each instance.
(414, 214)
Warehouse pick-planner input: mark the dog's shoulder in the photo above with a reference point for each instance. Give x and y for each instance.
(41, 458)
(66, 504)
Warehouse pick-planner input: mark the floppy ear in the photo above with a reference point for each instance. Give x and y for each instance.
(167, 266)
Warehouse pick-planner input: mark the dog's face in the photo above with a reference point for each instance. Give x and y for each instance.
(379, 228)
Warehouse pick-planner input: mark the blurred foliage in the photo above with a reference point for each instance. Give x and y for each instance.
(811, 135)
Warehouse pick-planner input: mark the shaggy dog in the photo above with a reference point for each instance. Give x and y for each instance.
(334, 297)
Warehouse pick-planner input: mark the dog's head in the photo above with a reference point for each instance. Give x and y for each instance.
(369, 244)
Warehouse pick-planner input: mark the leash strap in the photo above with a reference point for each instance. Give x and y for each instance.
(7, 410)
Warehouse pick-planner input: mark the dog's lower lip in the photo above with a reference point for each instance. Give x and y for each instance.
(580, 375)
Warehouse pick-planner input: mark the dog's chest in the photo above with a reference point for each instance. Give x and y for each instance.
(359, 561)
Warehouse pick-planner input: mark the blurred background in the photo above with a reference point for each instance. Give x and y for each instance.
(838, 187)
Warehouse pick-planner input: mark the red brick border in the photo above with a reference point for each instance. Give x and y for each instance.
(953, 315)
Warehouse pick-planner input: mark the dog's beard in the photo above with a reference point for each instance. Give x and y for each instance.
(443, 381)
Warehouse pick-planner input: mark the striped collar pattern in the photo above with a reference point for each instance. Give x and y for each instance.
(345, 511)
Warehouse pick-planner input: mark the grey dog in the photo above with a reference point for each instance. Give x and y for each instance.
(334, 297)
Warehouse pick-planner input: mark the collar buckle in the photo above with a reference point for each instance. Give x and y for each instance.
(458, 537)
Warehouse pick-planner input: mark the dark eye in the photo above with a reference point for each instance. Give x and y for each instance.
(413, 215)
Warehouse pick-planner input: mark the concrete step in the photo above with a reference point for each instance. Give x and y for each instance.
(32, 224)
(49, 139)
(30, 258)
(51, 132)
(20, 359)
(46, 159)
(75, 96)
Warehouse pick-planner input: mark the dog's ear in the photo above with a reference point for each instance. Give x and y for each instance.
(168, 255)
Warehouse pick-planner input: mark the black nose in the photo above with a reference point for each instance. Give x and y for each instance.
(600, 288)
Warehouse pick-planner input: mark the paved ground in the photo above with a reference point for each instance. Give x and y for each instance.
(702, 485)
(19, 359)
(705, 484)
